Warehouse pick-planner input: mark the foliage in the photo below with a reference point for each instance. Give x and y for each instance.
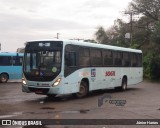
(145, 32)
(20, 50)
(155, 68)
(90, 40)
(151, 65)
(146, 64)
(149, 8)
(114, 35)
(152, 57)
(156, 37)
(101, 36)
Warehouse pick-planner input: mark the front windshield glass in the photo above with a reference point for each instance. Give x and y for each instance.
(42, 63)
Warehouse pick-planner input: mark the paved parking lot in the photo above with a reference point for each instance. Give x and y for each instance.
(138, 102)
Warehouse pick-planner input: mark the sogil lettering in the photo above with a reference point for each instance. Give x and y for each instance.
(110, 73)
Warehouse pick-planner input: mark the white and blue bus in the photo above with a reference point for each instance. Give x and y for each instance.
(10, 66)
(54, 67)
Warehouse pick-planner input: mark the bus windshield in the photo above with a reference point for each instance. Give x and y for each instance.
(42, 60)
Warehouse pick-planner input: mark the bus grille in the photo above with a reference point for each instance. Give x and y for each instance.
(39, 90)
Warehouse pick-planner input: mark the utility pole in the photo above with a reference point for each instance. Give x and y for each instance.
(131, 14)
(58, 35)
(131, 26)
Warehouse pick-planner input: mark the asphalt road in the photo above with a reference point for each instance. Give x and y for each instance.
(138, 102)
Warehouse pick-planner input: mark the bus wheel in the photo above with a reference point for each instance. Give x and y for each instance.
(83, 91)
(124, 84)
(3, 78)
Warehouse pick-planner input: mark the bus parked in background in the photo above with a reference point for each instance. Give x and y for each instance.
(54, 67)
(10, 66)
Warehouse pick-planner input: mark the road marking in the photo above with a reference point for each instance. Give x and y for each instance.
(14, 114)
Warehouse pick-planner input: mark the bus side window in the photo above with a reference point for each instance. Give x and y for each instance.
(84, 56)
(70, 59)
(134, 60)
(5, 60)
(17, 60)
(107, 58)
(96, 57)
(126, 59)
(139, 60)
(117, 56)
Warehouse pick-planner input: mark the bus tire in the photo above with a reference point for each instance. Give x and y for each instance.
(124, 84)
(4, 78)
(83, 90)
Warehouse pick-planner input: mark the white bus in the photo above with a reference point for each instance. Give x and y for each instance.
(54, 67)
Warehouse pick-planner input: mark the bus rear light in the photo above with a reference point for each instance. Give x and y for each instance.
(24, 81)
(56, 82)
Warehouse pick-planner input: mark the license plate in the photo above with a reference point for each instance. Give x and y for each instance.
(39, 92)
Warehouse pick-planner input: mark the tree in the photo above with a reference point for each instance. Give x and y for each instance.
(156, 37)
(149, 13)
(119, 29)
(142, 30)
(149, 23)
(115, 35)
(101, 36)
(145, 34)
(90, 40)
(20, 50)
(149, 8)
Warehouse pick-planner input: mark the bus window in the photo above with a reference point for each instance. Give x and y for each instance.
(126, 60)
(96, 57)
(5, 60)
(133, 60)
(139, 60)
(70, 59)
(107, 58)
(17, 60)
(117, 56)
(84, 59)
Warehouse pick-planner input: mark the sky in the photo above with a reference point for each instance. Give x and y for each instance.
(24, 20)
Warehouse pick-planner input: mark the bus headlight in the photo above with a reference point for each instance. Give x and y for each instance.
(56, 82)
(24, 81)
